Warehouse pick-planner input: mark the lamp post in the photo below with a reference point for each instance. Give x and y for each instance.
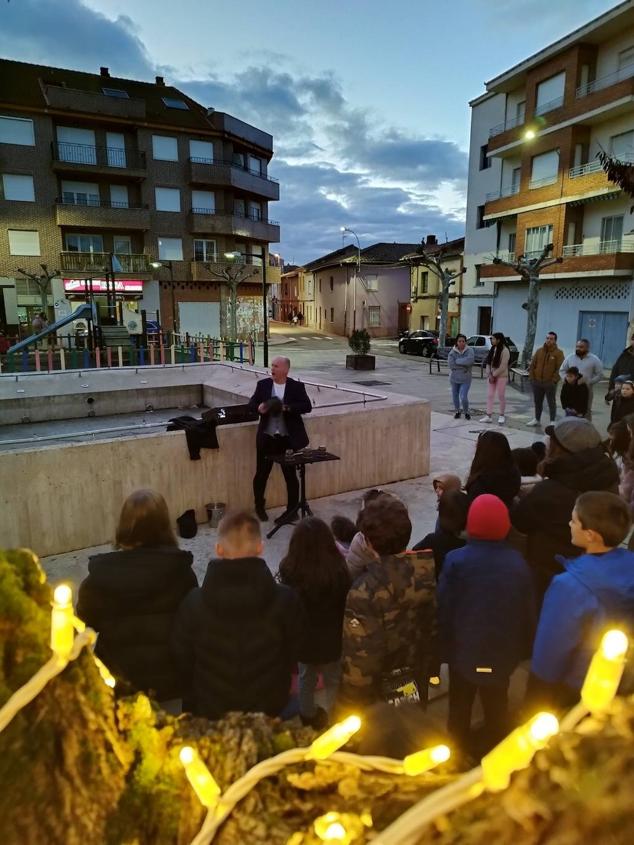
(170, 266)
(345, 229)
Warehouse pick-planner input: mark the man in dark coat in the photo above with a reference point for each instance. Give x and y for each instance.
(280, 401)
(237, 638)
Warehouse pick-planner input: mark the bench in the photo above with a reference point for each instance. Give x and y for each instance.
(444, 364)
(515, 374)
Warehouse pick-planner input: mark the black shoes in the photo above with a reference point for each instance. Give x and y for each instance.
(456, 416)
(289, 515)
(467, 416)
(261, 513)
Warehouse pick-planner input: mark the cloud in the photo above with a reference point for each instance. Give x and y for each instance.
(337, 164)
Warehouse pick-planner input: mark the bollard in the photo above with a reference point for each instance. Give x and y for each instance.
(241, 352)
(62, 358)
(173, 354)
(120, 355)
(86, 364)
(192, 354)
(37, 360)
(73, 359)
(25, 361)
(11, 362)
(152, 355)
(97, 357)
(108, 356)
(201, 353)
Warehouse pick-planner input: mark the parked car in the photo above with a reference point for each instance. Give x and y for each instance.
(422, 342)
(481, 344)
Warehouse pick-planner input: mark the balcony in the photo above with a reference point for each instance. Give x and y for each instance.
(545, 180)
(239, 129)
(204, 171)
(99, 262)
(201, 271)
(505, 191)
(219, 222)
(605, 81)
(596, 247)
(584, 169)
(102, 214)
(551, 105)
(88, 159)
(511, 123)
(93, 103)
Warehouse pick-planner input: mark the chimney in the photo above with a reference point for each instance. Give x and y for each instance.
(160, 81)
(211, 110)
(431, 240)
(104, 71)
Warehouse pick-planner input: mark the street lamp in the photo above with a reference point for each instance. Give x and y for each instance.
(345, 229)
(170, 266)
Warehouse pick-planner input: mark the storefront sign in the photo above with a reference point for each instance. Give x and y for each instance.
(99, 285)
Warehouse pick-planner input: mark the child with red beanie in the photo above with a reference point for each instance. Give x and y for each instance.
(486, 612)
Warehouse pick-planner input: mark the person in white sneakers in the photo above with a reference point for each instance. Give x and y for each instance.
(497, 368)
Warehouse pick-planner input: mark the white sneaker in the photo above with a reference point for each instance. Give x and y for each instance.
(533, 422)
(486, 419)
(501, 420)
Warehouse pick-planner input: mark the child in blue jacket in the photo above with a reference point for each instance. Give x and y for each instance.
(596, 592)
(486, 613)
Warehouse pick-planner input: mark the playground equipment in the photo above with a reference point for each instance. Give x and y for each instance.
(85, 311)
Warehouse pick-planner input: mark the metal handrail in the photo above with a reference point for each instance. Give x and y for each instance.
(220, 212)
(540, 183)
(505, 191)
(605, 81)
(100, 261)
(598, 248)
(99, 203)
(551, 105)
(510, 123)
(115, 157)
(582, 169)
(228, 163)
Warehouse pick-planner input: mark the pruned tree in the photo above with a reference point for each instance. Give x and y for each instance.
(232, 274)
(446, 279)
(43, 282)
(529, 269)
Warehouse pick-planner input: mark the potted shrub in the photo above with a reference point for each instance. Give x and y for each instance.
(359, 343)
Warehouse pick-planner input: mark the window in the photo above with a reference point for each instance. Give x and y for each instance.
(424, 281)
(622, 146)
(170, 249)
(481, 223)
(485, 161)
(626, 58)
(204, 250)
(332, 283)
(164, 148)
(23, 243)
(256, 165)
(203, 202)
(371, 281)
(115, 149)
(511, 246)
(122, 245)
(238, 159)
(17, 187)
(611, 234)
(76, 145)
(478, 281)
(116, 92)
(414, 294)
(173, 103)
(17, 130)
(520, 113)
(119, 196)
(255, 256)
(537, 238)
(332, 315)
(374, 316)
(550, 93)
(516, 178)
(84, 243)
(201, 151)
(320, 286)
(255, 211)
(167, 199)
(544, 169)
(80, 193)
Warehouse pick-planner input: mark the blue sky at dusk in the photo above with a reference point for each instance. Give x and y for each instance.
(367, 101)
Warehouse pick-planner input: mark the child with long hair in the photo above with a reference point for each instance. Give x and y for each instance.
(493, 469)
(621, 447)
(497, 369)
(317, 571)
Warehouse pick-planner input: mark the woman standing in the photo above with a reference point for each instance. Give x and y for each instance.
(131, 595)
(461, 359)
(493, 469)
(497, 367)
(317, 571)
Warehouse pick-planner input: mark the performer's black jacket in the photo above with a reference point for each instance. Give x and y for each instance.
(296, 402)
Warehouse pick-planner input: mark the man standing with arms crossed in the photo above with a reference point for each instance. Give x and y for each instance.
(280, 401)
(589, 366)
(544, 375)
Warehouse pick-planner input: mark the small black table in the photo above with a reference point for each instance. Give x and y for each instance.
(299, 460)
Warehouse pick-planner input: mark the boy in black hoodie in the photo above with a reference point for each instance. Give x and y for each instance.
(623, 403)
(575, 396)
(238, 637)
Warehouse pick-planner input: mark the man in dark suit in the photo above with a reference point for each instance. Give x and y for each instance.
(280, 401)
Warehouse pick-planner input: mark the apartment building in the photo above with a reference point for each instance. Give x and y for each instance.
(425, 286)
(534, 179)
(366, 289)
(295, 294)
(101, 174)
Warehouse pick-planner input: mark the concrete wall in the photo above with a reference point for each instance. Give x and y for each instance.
(59, 498)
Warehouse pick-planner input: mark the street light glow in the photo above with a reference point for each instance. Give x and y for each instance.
(529, 135)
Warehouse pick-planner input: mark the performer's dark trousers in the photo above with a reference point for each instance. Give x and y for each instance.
(266, 447)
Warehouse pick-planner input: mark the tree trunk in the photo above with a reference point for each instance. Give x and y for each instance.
(532, 308)
(445, 284)
(234, 311)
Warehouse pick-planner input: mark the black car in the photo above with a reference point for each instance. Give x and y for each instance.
(422, 342)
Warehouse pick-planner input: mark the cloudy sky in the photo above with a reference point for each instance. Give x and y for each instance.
(366, 99)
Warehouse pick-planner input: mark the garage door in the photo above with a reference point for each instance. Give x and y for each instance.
(607, 333)
(199, 318)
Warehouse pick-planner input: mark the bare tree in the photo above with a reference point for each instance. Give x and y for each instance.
(232, 275)
(529, 269)
(43, 282)
(446, 279)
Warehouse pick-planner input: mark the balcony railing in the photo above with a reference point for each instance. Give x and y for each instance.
(582, 169)
(605, 81)
(540, 183)
(505, 255)
(510, 123)
(92, 202)
(598, 248)
(505, 191)
(551, 105)
(99, 262)
(86, 154)
(221, 163)
(219, 212)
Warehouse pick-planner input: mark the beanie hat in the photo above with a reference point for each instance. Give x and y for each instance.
(488, 519)
(574, 434)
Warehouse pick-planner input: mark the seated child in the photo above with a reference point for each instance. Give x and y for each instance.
(623, 403)
(343, 530)
(452, 518)
(596, 592)
(527, 461)
(237, 637)
(575, 395)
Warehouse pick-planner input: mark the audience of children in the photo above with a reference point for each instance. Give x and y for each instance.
(486, 615)
(623, 403)
(452, 519)
(575, 394)
(343, 530)
(527, 461)
(316, 570)
(493, 469)
(359, 554)
(621, 447)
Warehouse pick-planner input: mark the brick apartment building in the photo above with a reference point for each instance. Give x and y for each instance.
(534, 179)
(100, 173)
(425, 285)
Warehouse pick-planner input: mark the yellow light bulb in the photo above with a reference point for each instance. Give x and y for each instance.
(517, 750)
(342, 828)
(605, 672)
(62, 621)
(199, 776)
(434, 681)
(333, 738)
(105, 673)
(423, 761)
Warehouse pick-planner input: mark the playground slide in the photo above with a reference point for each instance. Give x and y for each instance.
(85, 311)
